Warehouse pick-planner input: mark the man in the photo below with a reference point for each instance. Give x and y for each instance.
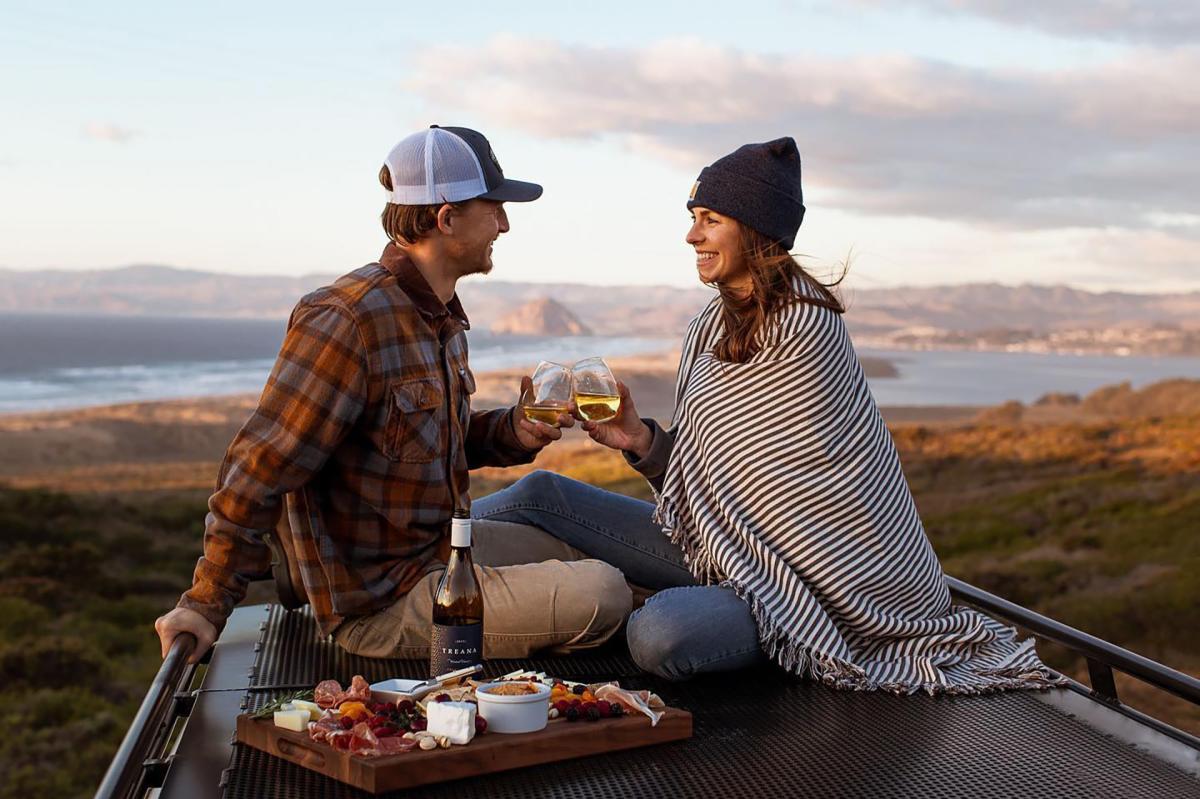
(366, 422)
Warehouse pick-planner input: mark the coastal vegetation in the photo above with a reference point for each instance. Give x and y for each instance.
(1086, 510)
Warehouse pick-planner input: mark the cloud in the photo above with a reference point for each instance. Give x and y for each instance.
(1142, 21)
(105, 131)
(1115, 145)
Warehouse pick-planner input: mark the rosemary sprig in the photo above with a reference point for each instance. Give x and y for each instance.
(277, 704)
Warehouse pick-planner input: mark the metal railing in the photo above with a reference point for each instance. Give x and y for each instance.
(1102, 657)
(133, 770)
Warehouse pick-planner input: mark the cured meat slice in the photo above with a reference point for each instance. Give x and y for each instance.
(340, 739)
(320, 729)
(363, 741)
(328, 693)
(395, 745)
(359, 691)
(634, 702)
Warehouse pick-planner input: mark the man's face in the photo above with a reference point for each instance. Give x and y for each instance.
(478, 224)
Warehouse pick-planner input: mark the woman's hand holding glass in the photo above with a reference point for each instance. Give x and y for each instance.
(625, 431)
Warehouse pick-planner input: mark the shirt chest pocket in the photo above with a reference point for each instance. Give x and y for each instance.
(415, 424)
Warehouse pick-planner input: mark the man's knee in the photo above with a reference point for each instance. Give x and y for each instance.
(600, 596)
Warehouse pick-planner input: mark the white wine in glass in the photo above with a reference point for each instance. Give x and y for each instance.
(550, 394)
(596, 396)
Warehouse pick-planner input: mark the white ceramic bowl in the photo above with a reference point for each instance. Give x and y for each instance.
(392, 690)
(514, 713)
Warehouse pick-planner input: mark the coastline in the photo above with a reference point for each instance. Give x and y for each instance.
(177, 443)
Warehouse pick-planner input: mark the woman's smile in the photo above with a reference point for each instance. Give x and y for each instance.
(718, 245)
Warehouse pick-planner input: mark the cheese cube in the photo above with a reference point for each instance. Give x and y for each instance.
(455, 720)
(314, 710)
(292, 719)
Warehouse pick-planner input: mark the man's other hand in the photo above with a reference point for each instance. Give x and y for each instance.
(535, 435)
(184, 620)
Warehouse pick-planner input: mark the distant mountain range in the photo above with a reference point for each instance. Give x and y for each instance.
(971, 316)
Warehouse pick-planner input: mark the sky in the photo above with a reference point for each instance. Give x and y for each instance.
(943, 141)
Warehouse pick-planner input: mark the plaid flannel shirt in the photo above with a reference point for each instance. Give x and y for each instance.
(367, 412)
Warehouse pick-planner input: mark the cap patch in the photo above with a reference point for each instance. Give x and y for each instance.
(695, 188)
(495, 162)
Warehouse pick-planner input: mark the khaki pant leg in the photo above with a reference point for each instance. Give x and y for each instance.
(560, 605)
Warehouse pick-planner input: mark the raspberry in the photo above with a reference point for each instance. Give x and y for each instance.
(605, 709)
(561, 706)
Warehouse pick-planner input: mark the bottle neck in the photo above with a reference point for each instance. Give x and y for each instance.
(460, 533)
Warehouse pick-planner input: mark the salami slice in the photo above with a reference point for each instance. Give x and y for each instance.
(328, 693)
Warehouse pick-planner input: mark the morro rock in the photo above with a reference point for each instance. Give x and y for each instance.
(542, 317)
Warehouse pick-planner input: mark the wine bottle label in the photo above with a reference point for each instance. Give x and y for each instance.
(454, 647)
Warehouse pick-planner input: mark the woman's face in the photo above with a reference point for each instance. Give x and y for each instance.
(718, 244)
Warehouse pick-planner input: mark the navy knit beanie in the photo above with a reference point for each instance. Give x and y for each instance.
(759, 186)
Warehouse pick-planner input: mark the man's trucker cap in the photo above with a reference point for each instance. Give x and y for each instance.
(449, 165)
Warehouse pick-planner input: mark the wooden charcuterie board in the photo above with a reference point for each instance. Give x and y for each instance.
(486, 754)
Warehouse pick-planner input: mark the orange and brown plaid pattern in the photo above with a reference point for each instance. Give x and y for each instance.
(367, 411)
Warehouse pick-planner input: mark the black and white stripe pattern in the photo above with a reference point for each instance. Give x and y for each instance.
(784, 484)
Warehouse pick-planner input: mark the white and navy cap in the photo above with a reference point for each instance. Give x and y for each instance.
(450, 165)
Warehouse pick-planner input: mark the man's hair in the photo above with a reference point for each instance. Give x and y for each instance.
(406, 224)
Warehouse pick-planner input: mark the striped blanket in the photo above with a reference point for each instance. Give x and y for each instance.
(784, 484)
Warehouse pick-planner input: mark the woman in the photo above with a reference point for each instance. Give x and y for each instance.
(778, 485)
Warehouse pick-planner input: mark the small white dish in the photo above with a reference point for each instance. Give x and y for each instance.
(514, 713)
(394, 690)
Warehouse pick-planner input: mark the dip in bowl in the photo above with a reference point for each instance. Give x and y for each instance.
(514, 706)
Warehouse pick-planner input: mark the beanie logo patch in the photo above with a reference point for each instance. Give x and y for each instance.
(695, 188)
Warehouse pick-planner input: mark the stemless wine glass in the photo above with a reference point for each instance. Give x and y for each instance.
(596, 394)
(550, 394)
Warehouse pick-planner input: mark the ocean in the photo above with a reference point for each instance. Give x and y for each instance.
(55, 361)
(52, 361)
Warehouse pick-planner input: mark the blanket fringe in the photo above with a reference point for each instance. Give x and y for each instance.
(803, 660)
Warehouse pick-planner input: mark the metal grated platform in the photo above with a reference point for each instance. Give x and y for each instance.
(757, 733)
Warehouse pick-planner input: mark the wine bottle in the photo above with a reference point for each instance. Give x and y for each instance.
(457, 636)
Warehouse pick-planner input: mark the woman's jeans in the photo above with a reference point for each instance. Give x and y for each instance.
(684, 628)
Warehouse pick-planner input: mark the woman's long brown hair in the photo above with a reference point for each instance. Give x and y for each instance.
(775, 275)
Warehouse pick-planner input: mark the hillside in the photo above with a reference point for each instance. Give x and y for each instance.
(1033, 318)
(541, 317)
(1090, 519)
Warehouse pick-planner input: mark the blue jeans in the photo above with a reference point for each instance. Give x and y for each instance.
(682, 630)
